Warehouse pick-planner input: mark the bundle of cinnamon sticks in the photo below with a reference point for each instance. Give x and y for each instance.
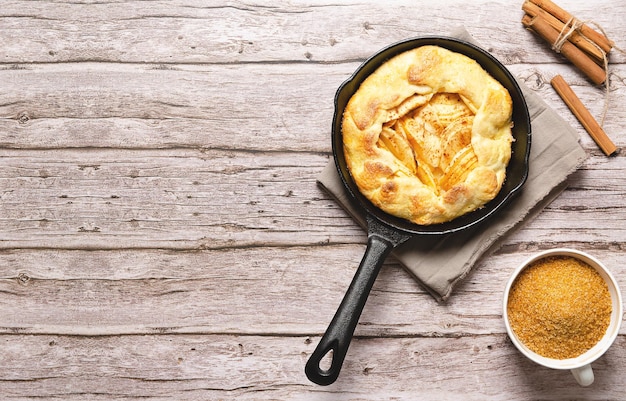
(585, 47)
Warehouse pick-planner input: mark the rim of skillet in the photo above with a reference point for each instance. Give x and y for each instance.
(517, 169)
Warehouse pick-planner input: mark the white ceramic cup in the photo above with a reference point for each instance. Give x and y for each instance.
(580, 366)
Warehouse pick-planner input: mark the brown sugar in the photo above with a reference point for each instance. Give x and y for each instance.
(559, 307)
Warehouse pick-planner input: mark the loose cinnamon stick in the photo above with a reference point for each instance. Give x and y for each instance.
(564, 16)
(583, 115)
(579, 58)
(583, 44)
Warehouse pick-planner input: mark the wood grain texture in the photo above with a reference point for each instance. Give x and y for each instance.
(162, 235)
(257, 291)
(236, 32)
(250, 368)
(96, 105)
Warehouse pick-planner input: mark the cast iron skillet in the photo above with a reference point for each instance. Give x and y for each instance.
(385, 232)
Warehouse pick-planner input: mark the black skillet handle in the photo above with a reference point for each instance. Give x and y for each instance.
(381, 240)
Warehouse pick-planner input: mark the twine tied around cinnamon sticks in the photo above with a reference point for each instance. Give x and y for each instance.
(585, 47)
(574, 25)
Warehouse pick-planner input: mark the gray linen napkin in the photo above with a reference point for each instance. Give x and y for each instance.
(440, 262)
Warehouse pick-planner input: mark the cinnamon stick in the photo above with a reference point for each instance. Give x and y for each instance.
(583, 115)
(564, 16)
(579, 58)
(583, 44)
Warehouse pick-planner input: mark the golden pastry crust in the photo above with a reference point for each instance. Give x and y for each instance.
(427, 137)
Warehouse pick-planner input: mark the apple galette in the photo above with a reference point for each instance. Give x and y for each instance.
(427, 136)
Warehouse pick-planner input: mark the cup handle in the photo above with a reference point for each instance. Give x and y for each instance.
(583, 375)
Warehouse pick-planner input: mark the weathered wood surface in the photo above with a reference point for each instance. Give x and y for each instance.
(162, 235)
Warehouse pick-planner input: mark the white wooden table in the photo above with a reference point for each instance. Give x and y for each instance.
(162, 235)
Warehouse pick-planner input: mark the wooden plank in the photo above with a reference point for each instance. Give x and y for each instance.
(138, 106)
(229, 32)
(253, 291)
(188, 199)
(179, 198)
(253, 368)
(234, 107)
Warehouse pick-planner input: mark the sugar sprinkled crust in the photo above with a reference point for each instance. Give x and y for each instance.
(427, 136)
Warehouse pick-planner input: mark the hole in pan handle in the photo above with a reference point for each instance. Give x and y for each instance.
(336, 340)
